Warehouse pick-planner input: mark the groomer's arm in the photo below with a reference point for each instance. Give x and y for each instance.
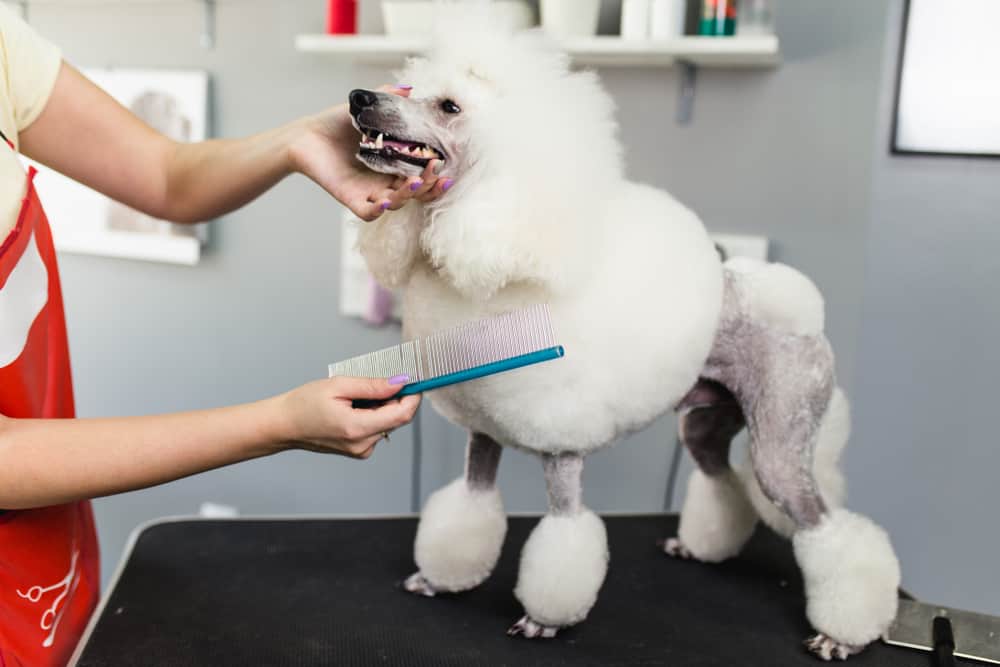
(50, 461)
(87, 135)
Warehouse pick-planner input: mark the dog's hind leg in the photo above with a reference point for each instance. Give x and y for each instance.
(717, 517)
(566, 557)
(462, 526)
(849, 569)
(772, 354)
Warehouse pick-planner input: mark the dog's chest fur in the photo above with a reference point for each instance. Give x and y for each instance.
(636, 331)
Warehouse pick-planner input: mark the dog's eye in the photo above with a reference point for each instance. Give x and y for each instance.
(449, 106)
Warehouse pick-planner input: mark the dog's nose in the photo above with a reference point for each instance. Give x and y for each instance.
(362, 99)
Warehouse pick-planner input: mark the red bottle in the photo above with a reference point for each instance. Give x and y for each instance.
(341, 17)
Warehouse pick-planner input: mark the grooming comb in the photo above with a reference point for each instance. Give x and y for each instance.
(466, 352)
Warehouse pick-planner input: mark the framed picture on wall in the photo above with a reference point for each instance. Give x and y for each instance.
(948, 79)
(174, 103)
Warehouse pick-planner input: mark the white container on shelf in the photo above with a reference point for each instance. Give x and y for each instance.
(416, 19)
(571, 18)
(756, 18)
(635, 19)
(666, 18)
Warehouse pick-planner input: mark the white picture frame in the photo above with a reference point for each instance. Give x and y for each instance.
(174, 102)
(948, 80)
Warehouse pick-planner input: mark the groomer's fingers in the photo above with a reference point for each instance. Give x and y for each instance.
(439, 189)
(364, 195)
(392, 415)
(349, 388)
(371, 209)
(428, 178)
(409, 189)
(432, 170)
(398, 196)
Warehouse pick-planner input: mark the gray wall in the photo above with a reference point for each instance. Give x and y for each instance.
(925, 458)
(784, 153)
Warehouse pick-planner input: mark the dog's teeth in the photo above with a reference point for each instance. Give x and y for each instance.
(379, 142)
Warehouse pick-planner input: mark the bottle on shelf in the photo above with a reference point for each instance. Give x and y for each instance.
(570, 18)
(341, 17)
(635, 19)
(666, 18)
(718, 18)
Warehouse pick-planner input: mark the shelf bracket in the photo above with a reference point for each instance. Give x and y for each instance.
(208, 25)
(685, 99)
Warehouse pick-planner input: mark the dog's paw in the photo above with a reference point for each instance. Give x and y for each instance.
(531, 630)
(418, 585)
(825, 648)
(672, 546)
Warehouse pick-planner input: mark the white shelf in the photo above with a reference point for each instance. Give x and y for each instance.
(759, 51)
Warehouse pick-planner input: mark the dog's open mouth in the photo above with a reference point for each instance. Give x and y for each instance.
(382, 144)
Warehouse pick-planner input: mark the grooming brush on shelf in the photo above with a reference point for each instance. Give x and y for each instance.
(466, 352)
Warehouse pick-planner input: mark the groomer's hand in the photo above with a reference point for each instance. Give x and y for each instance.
(318, 416)
(326, 153)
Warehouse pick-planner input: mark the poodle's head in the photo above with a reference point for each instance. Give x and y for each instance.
(400, 136)
(531, 145)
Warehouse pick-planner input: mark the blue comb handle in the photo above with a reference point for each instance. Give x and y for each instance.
(482, 371)
(470, 374)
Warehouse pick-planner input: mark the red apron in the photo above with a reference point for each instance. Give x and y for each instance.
(49, 575)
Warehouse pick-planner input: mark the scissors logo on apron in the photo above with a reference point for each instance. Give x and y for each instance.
(51, 616)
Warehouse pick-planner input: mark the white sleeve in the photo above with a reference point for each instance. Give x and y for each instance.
(30, 67)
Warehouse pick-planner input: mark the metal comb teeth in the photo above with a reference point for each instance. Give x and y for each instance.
(466, 346)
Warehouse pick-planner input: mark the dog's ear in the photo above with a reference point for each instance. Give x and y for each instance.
(391, 244)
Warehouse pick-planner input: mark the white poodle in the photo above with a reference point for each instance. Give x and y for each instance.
(651, 320)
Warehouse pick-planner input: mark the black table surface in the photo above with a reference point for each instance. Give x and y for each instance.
(327, 592)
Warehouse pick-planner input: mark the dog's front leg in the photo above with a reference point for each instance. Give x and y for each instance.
(462, 526)
(566, 557)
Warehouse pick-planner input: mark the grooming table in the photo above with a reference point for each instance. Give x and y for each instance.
(326, 592)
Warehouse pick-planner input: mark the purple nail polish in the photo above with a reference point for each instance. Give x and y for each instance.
(399, 379)
(416, 185)
(447, 184)
(385, 205)
(403, 86)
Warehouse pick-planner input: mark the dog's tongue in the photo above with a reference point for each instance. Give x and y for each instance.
(399, 145)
